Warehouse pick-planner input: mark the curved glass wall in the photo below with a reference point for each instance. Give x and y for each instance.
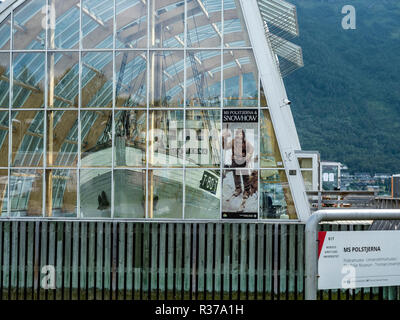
(135, 109)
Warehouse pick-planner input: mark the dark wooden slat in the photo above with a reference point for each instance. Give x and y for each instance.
(30, 261)
(137, 272)
(6, 259)
(121, 261)
(22, 261)
(99, 261)
(170, 262)
(83, 261)
(154, 261)
(292, 262)
(43, 258)
(129, 261)
(227, 261)
(300, 262)
(107, 261)
(91, 261)
(252, 262)
(243, 270)
(235, 261)
(67, 260)
(75, 261)
(14, 260)
(218, 262)
(179, 262)
(59, 261)
(52, 254)
(162, 262)
(187, 261)
(146, 262)
(210, 261)
(260, 260)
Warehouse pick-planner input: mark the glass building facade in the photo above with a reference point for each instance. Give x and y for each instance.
(116, 108)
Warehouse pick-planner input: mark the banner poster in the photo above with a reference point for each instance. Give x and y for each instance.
(240, 156)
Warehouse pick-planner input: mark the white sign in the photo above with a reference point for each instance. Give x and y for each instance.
(357, 259)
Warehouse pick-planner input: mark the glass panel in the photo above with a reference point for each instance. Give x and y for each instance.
(305, 162)
(131, 24)
(63, 78)
(308, 180)
(239, 194)
(202, 194)
(204, 28)
(330, 177)
(62, 138)
(203, 146)
(235, 31)
(64, 24)
(240, 79)
(131, 79)
(203, 78)
(129, 193)
(270, 154)
(4, 80)
(28, 80)
(97, 24)
(166, 78)
(167, 23)
(4, 192)
(27, 138)
(4, 128)
(95, 193)
(165, 195)
(165, 138)
(5, 33)
(61, 193)
(240, 138)
(29, 25)
(96, 130)
(97, 79)
(26, 192)
(130, 138)
(263, 99)
(275, 197)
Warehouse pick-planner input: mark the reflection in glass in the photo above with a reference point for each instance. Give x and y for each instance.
(203, 78)
(165, 194)
(202, 194)
(166, 78)
(61, 196)
(5, 33)
(29, 25)
(165, 138)
(65, 33)
(235, 31)
(270, 154)
(202, 139)
(130, 138)
(4, 80)
(3, 192)
(96, 130)
(131, 24)
(305, 163)
(63, 79)
(131, 79)
(26, 193)
(97, 86)
(167, 25)
(204, 23)
(4, 128)
(240, 79)
(95, 193)
(62, 138)
(27, 138)
(28, 86)
(129, 193)
(97, 24)
(275, 197)
(308, 179)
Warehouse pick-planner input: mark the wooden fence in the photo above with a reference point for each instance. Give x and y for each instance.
(160, 260)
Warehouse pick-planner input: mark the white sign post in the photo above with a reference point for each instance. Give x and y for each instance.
(358, 259)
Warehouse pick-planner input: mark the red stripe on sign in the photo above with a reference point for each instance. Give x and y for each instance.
(321, 239)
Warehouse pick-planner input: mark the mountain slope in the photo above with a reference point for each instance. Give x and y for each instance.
(346, 100)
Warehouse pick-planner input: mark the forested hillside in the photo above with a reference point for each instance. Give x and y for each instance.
(346, 100)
